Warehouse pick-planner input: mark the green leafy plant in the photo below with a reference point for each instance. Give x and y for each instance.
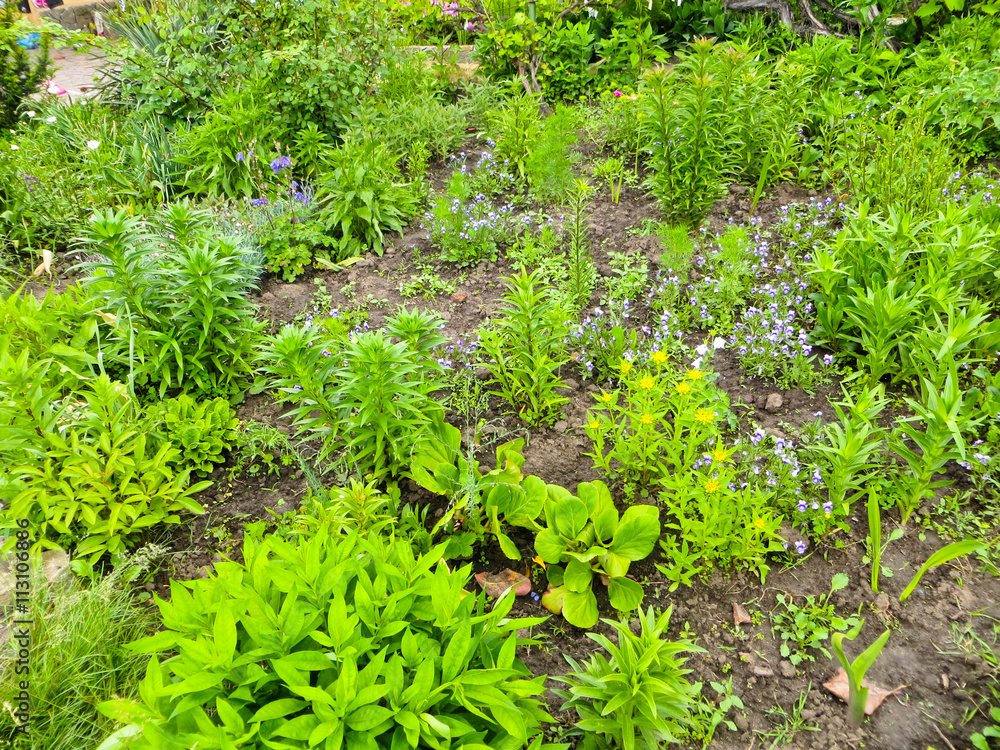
(856, 670)
(682, 123)
(809, 625)
(201, 432)
(944, 420)
(946, 554)
(360, 200)
(874, 545)
(332, 641)
(21, 74)
(367, 399)
(584, 538)
(526, 348)
(582, 273)
(91, 482)
(636, 697)
(478, 503)
(549, 167)
(179, 319)
(516, 128)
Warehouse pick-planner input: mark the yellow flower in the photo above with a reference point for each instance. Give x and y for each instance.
(606, 398)
(646, 419)
(683, 388)
(695, 374)
(659, 357)
(647, 384)
(704, 416)
(759, 523)
(595, 425)
(712, 485)
(626, 367)
(720, 454)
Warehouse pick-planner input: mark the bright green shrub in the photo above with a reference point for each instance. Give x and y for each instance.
(368, 400)
(201, 432)
(360, 198)
(586, 539)
(90, 481)
(333, 642)
(638, 698)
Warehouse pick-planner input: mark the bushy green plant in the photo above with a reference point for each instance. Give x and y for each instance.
(636, 697)
(178, 319)
(333, 641)
(809, 625)
(478, 503)
(515, 129)
(201, 432)
(89, 480)
(549, 167)
(683, 125)
(584, 538)
(21, 74)
(526, 348)
(368, 399)
(582, 275)
(360, 199)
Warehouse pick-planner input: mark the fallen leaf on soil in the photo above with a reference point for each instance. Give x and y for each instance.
(839, 686)
(740, 615)
(540, 561)
(45, 266)
(495, 584)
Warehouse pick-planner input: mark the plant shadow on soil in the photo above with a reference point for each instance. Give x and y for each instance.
(928, 711)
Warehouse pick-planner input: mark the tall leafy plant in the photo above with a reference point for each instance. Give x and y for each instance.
(333, 641)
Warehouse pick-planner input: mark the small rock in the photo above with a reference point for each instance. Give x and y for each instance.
(571, 384)
(742, 722)
(636, 626)
(945, 682)
(882, 602)
(561, 426)
(149, 586)
(786, 668)
(774, 402)
(762, 670)
(460, 298)
(775, 432)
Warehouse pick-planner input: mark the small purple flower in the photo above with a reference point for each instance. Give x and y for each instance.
(800, 547)
(240, 157)
(280, 163)
(262, 201)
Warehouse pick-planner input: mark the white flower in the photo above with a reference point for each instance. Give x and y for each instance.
(51, 119)
(93, 145)
(30, 113)
(14, 147)
(702, 349)
(696, 365)
(719, 343)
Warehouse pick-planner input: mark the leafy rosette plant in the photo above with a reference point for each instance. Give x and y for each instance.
(586, 539)
(333, 642)
(479, 503)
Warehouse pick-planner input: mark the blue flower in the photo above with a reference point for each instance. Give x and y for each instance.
(240, 156)
(280, 163)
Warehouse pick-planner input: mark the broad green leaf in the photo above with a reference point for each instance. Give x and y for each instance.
(578, 576)
(570, 518)
(625, 594)
(580, 609)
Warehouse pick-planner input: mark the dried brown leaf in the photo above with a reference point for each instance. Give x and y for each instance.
(740, 615)
(839, 686)
(495, 584)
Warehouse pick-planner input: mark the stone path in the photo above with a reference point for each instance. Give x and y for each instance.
(75, 70)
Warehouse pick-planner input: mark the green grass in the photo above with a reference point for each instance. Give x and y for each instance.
(78, 659)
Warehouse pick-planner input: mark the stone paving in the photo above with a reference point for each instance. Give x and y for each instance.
(75, 71)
